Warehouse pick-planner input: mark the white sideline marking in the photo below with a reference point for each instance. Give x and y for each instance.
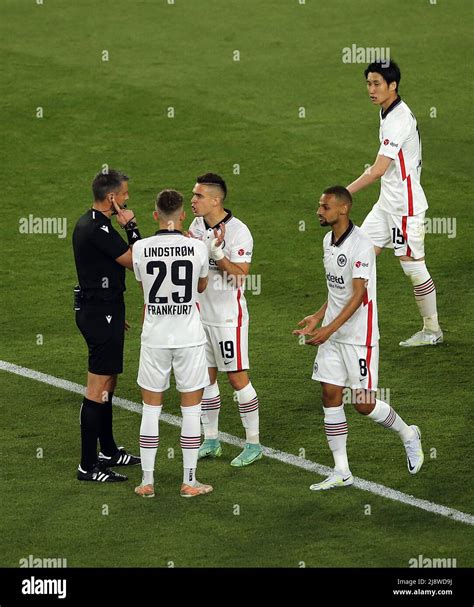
(281, 456)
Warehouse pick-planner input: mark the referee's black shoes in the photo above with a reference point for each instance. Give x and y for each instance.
(121, 458)
(100, 474)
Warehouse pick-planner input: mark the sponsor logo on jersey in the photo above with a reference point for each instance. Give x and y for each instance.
(108, 319)
(105, 228)
(241, 252)
(333, 278)
(341, 260)
(358, 264)
(386, 141)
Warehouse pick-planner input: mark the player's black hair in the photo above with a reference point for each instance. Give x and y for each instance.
(213, 179)
(390, 72)
(107, 182)
(169, 201)
(340, 192)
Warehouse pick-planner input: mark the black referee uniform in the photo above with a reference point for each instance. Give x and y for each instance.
(101, 318)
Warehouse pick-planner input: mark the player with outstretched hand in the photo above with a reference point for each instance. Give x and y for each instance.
(172, 269)
(224, 315)
(397, 219)
(348, 348)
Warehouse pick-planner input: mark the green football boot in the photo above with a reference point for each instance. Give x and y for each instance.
(211, 447)
(249, 455)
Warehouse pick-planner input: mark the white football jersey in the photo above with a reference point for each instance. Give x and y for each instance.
(169, 266)
(401, 192)
(222, 304)
(352, 256)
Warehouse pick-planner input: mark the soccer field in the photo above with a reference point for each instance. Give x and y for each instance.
(154, 89)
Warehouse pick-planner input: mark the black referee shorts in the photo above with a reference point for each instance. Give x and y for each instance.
(102, 324)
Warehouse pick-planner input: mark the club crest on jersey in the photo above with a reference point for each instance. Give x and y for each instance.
(341, 260)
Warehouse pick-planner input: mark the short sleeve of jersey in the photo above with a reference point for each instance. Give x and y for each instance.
(242, 247)
(363, 263)
(204, 256)
(108, 240)
(136, 256)
(194, 226)
(394, 135)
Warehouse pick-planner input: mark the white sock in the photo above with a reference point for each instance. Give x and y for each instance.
(211, 406)
(384, 415)
(425, 292)
(190, 441)
(335, 426)
(248, 409)
(149, 440)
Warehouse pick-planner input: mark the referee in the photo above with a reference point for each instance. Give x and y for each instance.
(101, 256)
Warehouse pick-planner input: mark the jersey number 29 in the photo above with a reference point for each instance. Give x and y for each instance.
(185, 281)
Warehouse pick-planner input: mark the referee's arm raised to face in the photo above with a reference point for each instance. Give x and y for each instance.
(101, 256)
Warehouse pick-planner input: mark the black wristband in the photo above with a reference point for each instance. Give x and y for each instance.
(133, 233)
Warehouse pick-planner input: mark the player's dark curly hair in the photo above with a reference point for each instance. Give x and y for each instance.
(390, 72)
(213, 179)
(169, 201)
(107, 182)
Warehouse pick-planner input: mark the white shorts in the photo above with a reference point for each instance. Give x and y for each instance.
(227, 348)
(189, 368)
(404, 234)
(347, 365)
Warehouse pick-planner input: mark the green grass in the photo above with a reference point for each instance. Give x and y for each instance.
(226, 113)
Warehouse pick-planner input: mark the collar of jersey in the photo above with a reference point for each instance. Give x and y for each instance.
(167, 232)
(227, 218)
(392, 106)
(101, 214)
(343, 237)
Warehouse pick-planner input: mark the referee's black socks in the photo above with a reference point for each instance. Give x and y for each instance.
(106, 437)
(91, 413)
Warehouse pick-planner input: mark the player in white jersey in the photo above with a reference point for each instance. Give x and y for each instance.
(172, 269)
(224, 315)
(348, 355)
(397, 219)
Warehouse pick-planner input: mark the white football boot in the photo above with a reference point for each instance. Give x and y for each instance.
(415, 456)
(423, 338)
(334, 481)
